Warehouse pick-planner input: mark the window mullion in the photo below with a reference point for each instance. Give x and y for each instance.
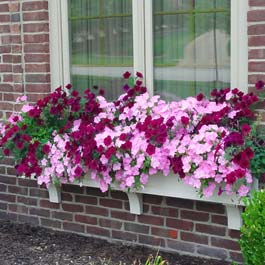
(65, 42)
(149, 51)
(239, 53)
(138, 36)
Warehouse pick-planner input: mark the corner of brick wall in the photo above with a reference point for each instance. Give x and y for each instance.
(24, 52)
(256, 41)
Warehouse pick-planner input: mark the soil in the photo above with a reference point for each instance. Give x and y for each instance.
(22, 244)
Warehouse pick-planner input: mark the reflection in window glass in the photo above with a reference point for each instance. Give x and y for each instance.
(101, 43)
(191, 46)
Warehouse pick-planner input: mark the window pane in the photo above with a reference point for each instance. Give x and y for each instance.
(101, 44)
(191, 47)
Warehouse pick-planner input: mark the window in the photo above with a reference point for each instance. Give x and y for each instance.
(182, 47)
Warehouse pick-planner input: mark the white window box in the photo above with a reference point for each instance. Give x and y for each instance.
(169, 186)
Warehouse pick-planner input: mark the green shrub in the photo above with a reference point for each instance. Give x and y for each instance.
(252, 240)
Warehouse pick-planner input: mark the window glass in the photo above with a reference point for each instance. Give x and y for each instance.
(191, 46)
(101, 43)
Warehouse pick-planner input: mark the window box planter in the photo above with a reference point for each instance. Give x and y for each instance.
(169, 186)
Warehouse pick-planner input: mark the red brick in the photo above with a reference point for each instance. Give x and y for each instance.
(124, 235)
(152, 199)
(74, 227)
(110, 223)
(62, 216)
(111, 203)
(3, 188)
(38, 78)
(210, 229)
(3, 206)
(253, 79)
(86, 219)
(48, 204)
(35, 16)
(39, 193)
(152, 220)
(40, 88)
(191, 237)
(4, 28)
(18, 208)
(7, 198)
(13, 7)
(66, 197)
(12, 98)
(219, 219)
(193, 215)
(51, 223)
(137, 228)
(236, 256)
(37, 58)
(256, 3)
(119, 195)
(74, 208)
(28, 219)
(256, 29)
(97, 231)
(5, 49)
(225, 243)
(73, 189)
(18, 190)
(8, 216)
(96, 192)
(5, 68)
(39, 212)
(6, 88)
(181, 246)
(38, 38)
(256, 15)
(4, 8)
(4, 18)
(36, 48)
(36, 27)
(97, 210)
(15, 28)
(37, 68)
(180, 203)
(150, 240)
(35, 5)
(162, 232)
(35, 97)
(27, 201)
(86, 199)
(256, 67)
(180, 224)
(212, 252)
(256, 40)
(210, 207)
(27, 183)
(8, 180)
(123, 216)
(234, 233)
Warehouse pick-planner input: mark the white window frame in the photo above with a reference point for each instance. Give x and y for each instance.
(143, 43)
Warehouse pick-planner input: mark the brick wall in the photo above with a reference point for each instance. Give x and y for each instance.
(184, 226)
(24, 52)
(256, 41)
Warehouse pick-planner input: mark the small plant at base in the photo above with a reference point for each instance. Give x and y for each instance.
(252, 240)
(157, 260)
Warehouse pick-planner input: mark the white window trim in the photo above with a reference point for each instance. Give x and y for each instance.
(143, 43)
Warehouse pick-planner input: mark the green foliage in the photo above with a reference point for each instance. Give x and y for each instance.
(157, 260)
(252, 240)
